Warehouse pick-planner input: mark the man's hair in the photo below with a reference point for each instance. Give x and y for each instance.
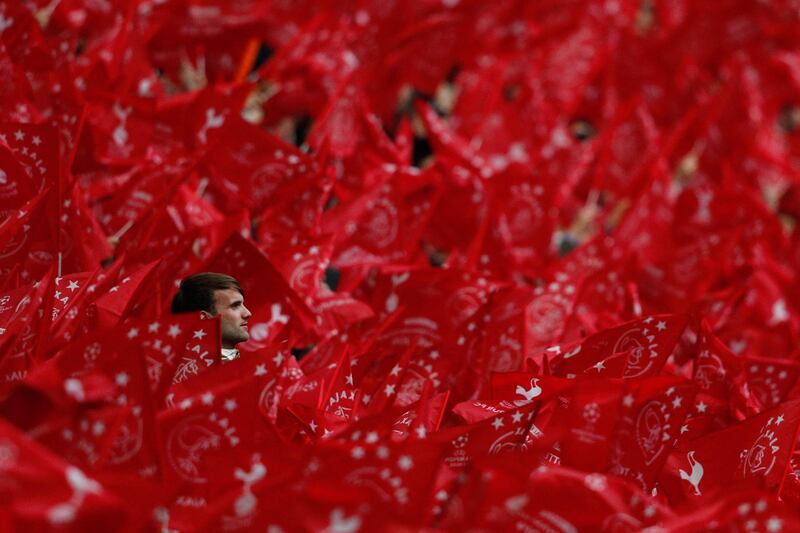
(196, 292)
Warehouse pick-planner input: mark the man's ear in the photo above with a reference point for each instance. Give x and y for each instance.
(205, 315)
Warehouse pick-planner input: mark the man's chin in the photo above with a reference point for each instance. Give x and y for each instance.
(237, 340)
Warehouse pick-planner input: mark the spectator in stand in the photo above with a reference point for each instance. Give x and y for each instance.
(214, 294)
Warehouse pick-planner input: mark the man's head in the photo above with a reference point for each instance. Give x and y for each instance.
(215, 294)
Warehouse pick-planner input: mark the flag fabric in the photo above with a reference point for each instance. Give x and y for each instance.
(511, 265)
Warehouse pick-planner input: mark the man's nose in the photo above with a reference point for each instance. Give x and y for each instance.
(247, 313)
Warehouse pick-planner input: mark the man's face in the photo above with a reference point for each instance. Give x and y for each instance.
(234, 315)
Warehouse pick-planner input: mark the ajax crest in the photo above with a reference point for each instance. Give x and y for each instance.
(760, 458)
(642, 348)
(651, 430)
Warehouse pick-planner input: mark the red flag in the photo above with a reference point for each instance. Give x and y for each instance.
(50, 493)
(752, 453)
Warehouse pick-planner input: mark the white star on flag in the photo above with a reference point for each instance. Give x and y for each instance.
(357, 452)
(405, 462)
(153, 328)
(627, 400)
(661, 326)
(174, 331)
(261, 370)
(18, 135)
(517, 417)
(498, 423)
(774, 524)
(122, 379)
(701, 407)
(133, 333)
(72, 285)
(207, 398)
(230, 405)
(389, 390)
(395, 371)
(199, 334)
(36, 140)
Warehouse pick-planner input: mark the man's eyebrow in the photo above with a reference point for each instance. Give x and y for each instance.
(236, 302)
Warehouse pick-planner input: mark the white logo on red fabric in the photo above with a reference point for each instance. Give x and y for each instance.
(591, 412)
(213, 121)
(651, 430)
(642, 348)
(509, 442)
(421, 329)
(340, 523)
(507, 357)
(382, 225)
(120, 133)
(91, 352)
(304, 275)
(381, 481)
(525, 213)
(247, 502)
(695, 475)
(411, 387)
(545, 317)
(188, 445)
(764, 384)
(621, 523)
(7, 190)
(463, 303)
(64, 513)
(529, 394)
(8, 454)
(760, 458)
(15, 244)
(129, 438)
(710, 370)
